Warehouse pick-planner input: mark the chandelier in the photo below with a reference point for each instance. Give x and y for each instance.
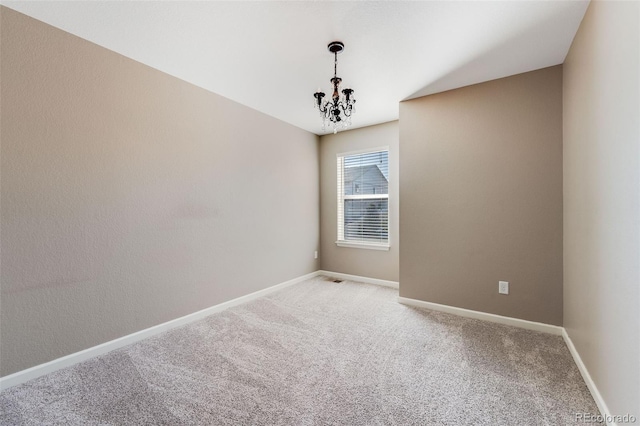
(336, 112)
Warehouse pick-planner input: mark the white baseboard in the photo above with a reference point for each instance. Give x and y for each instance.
(77, 357)
(595, 393)
(516, 322)
(386, 283)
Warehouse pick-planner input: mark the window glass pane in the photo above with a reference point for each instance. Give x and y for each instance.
(366, 173)
(366, 220)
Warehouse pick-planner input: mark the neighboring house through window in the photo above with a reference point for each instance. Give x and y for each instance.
(363, 199)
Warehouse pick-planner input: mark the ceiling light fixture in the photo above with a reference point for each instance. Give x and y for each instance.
(337, 111)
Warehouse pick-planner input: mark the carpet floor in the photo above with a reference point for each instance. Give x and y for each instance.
(317, 353)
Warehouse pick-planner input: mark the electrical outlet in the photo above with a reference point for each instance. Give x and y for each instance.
(315, 254)
(503, 287)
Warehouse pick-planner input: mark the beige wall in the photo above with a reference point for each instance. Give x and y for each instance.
(481, 196)
(356, 261)
(130, 198)
(602, 198)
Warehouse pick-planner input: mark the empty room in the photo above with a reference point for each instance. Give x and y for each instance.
(319, 212)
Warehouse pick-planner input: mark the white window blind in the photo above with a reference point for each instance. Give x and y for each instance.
(363, 198)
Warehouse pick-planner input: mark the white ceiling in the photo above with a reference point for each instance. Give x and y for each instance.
(272, 55)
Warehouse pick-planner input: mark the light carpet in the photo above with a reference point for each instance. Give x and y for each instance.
(317, 353)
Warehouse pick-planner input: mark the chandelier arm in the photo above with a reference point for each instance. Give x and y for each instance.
(324, 108)
(326, 111)
(347, 108)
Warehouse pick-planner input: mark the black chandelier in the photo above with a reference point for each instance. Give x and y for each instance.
(337, 111)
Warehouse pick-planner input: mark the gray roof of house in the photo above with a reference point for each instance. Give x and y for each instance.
(352, 173)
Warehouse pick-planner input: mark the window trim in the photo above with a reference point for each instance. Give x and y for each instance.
(342, 197)
(363, 245)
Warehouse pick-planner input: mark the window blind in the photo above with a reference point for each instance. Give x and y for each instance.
(363, 197)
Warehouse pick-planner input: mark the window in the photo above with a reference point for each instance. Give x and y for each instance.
(363, 199)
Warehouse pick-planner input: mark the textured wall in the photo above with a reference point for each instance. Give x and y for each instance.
(481, 196)
(602, 200)
(130, 198)
(364, 262)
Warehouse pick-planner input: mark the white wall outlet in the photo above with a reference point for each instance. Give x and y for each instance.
(503, 287)
(315, 254)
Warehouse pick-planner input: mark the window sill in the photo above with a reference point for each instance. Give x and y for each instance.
(369, 246)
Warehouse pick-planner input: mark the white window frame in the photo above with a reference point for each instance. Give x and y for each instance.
(341, 242)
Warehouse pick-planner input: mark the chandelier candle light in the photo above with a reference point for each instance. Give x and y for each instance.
(337, 111)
